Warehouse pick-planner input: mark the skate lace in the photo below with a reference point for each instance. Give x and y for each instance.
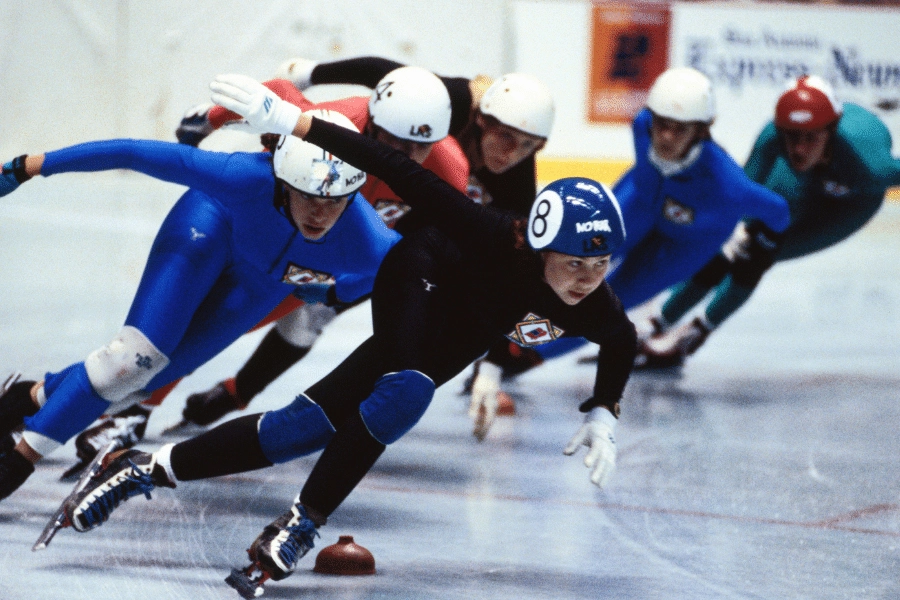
(299, 541)
(136, 482)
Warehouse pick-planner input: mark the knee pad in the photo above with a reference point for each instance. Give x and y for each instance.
(303, 326)
(298, 429)
(396, 404)
(125, 365)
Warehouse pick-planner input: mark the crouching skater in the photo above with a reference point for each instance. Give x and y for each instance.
(441, 297)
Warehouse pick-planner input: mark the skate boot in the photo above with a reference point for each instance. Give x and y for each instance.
(210, 406)
(126, 428)
(7, 444)
(123, 474)
(671, 349)
(652, 327)
(15, 469)
(204, 408)
(15, 403)
(276, 552)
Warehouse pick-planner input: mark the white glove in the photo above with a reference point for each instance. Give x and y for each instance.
(263, 110)
(483, 406)
(738, 245)
(598, 434)
(298, 71)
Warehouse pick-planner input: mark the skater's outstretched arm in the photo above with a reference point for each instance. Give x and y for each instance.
(218, 174)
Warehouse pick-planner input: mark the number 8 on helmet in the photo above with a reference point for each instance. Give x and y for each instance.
(576, 216)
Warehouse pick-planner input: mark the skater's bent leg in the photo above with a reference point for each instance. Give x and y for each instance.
(109, 374)
(394, 407)
(232, 447)
(687, 294)
(284, 345)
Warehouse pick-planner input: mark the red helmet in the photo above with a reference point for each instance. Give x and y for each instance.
(808, 105)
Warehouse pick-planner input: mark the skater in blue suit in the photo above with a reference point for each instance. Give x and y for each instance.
(252, 229)
(680, 202)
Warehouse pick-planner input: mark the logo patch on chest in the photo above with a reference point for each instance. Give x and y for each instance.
(678, 213)
(297, 275)
(533, 331)
(390, 212)
(833, 188)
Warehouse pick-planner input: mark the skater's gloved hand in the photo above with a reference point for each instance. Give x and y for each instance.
(316, 292)
(738, 245)
(195, 125)
(264, 111)
(483, 406)
(298, 71)
(13, 175)
(598, 434)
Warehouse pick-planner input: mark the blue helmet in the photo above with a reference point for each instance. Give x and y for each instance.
(576, 216)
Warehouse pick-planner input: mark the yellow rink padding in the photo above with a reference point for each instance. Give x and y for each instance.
(608, 171)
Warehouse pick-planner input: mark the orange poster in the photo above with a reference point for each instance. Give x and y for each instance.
(629, 49)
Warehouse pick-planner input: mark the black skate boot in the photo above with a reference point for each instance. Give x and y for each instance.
(126, 428)
(276, 552)
(204, 408)
(669, 350)
(210, 406)
(15, 469)
(15, 403)
(124, 474)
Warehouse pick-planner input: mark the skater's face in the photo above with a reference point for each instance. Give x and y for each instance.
(573, 278)
(673, 139)
(314, 216)
(806, 149)
(417, 151)
(503, 147)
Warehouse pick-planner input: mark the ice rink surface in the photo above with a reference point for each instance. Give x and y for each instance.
(766, 469)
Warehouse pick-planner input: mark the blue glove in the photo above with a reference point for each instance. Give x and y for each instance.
(316, 293)
(194, 126)
(13, 175)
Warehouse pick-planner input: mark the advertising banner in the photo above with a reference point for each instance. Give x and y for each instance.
(629, 49)
(752, 52)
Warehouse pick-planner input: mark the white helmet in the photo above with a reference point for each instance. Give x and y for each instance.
(522, 102)
(683, 94)
(315, 171)
(411, 103)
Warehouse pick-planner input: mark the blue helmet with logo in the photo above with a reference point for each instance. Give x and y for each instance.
(576, 216)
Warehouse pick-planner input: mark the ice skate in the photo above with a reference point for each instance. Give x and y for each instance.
(670, 350)
(125, 428)
(121, 475)
(207, 407)
(275, 553)
(60, 518)
(15, 403)
(15, 470)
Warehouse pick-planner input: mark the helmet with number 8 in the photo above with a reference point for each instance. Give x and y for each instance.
(808, 105)
(682, 94)
(411, 103)
(312, 170)
(576, 216)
